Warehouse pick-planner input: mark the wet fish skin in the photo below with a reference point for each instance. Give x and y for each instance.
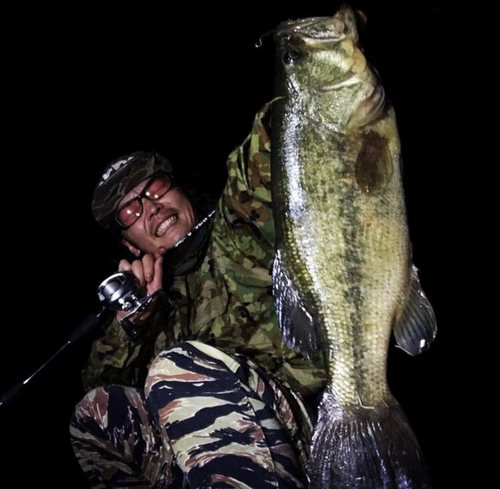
(343, 275)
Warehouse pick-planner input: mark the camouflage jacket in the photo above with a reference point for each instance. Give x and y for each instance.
(227, 302)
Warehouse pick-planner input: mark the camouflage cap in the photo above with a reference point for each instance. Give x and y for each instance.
(119, 178)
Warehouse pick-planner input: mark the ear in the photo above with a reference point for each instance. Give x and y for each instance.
(135, 251)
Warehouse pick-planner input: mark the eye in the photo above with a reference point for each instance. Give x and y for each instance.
(130, 212)
(158, 187)
(291, 55)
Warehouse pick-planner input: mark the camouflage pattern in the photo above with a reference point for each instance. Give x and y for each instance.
(227, 302)
(117, 443)
(209, 420)
(119, 178)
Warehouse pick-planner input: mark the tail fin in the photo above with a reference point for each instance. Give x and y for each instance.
(371, 448)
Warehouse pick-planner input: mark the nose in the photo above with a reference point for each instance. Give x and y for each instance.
(151, 208)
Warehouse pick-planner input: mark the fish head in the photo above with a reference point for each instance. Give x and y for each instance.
(322, 71)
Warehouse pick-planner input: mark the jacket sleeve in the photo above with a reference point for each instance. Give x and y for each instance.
(245, 207)
(115, 358)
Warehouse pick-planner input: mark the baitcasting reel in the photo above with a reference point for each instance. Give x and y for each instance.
(123, 292)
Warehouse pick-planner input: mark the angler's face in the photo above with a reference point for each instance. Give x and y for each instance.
(163, 222)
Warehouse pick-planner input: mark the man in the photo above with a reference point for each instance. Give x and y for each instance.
(203, 391)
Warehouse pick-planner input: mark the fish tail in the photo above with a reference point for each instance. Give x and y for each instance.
(366, 448)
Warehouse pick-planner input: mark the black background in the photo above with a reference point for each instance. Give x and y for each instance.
(87, 82)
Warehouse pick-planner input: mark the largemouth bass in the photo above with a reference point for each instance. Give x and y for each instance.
(343, 274)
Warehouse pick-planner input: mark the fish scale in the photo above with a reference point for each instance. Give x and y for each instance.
(331, 208)
(343, 278)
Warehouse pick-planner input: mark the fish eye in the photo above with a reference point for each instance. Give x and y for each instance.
(291, 55)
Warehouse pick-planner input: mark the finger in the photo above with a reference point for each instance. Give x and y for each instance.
(161, 251)
(138, 271)
(135, 251)
(148, 262)
(124, 266)
(157, 282)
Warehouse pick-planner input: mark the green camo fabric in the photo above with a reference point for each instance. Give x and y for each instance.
(227, 302)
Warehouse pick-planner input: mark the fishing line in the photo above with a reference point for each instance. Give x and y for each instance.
(262, 38)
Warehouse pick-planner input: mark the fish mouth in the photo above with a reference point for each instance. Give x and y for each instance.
(373, 106)
(370, 109)
(320, 30)
(165, 224)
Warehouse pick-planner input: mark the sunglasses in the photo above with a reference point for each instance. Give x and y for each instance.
(129, 212)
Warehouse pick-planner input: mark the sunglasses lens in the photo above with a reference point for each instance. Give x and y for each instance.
(158, 187)
(129, 213)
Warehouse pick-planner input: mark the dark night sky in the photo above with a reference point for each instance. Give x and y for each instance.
(87, 82)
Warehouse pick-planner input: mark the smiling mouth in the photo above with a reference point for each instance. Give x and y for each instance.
(165, 225)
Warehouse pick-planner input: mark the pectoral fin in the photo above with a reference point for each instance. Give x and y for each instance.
(297, 324)
(415, 327)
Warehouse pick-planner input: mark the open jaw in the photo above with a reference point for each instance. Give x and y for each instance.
(166, 224)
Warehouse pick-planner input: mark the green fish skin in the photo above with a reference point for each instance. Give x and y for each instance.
(343, 277)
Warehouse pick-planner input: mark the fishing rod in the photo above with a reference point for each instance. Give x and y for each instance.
(119, 292)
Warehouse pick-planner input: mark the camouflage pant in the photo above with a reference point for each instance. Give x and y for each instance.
(206, 420)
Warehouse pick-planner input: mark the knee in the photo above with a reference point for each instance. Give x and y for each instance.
(187, 361)
(107, 409)
(191, 352)
(186, 349)
(87, 417)
(87, 406)
(172, 364)
(92, 407)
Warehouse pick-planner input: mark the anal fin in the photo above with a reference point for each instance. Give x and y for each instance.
(415, 326)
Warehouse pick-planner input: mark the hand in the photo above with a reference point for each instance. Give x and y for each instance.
(149, 272)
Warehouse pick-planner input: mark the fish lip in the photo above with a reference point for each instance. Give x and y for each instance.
(373, 106)
(162, 221)
(300, 22)
(352, 80)
(295, 28)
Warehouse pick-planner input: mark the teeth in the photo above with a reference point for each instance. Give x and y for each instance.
(160, 231)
